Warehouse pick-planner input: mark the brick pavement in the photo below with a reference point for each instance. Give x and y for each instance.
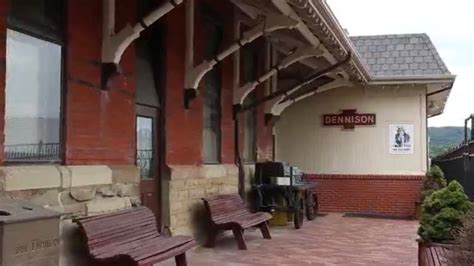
(329, 240)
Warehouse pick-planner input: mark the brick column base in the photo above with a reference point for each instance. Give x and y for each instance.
(390, 195)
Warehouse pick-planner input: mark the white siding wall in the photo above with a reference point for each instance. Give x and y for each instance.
(303, 141)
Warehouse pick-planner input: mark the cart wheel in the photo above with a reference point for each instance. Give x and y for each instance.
(298, 214)
(312, 205)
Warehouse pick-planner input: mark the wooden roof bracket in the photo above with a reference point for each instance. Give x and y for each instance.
(278, 107)
(114, 43)
(298, 55)
(270, 23)
(313, 77)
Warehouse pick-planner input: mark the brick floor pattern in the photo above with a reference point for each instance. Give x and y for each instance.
(328, 240)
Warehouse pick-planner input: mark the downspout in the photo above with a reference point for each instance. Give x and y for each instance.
(115, 44)
(194, 76)
(236, 81)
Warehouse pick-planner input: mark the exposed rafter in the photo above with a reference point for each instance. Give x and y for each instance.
(300, 54)
(269, 23)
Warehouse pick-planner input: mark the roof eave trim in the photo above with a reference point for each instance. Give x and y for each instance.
(424, 79)
(341, 35)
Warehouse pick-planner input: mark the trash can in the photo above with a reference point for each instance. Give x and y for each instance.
(29, 234)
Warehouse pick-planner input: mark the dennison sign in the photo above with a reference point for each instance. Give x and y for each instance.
(348, 119)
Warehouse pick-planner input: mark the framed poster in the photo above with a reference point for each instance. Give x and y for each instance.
(401, 138)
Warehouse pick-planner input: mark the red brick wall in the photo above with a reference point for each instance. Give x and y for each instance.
(100, 125)
(184, 127)
(3, 44)
(381, 194)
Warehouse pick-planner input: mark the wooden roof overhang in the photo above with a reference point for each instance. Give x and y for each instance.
(312, 33)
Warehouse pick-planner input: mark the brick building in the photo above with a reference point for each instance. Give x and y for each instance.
(109, 104)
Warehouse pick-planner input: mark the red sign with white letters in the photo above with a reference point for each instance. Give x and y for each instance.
(348, 119)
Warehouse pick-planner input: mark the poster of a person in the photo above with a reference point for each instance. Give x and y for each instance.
(401, 138)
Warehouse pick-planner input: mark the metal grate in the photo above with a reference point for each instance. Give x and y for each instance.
(32, 152)
(145, 163)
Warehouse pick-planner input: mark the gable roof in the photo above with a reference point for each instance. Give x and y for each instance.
(399, 55)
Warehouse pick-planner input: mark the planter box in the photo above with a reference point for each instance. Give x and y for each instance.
(431, 253)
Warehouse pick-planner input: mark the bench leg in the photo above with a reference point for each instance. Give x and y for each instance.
(239, 237)
(181, 259)
(211, 239)
(265, 230)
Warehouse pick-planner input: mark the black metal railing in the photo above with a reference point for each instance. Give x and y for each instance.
(32, 152)
(145, 163)
(458, 163)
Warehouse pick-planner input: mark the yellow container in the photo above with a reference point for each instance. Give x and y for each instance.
(279, 219)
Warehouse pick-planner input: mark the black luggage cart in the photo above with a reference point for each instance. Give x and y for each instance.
(279, 180)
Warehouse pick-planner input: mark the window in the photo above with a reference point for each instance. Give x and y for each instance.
(33, 81)
(249, 60)
(145, 147)
(212, 98)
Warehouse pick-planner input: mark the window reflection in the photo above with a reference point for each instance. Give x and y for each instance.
(33, 97)
(145, 146)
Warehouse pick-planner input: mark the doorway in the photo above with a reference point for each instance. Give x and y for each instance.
(148, 121)
(147, 157)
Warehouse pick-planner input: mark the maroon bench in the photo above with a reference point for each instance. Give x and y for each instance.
(130, 237)
(432, 254)
(228, 212)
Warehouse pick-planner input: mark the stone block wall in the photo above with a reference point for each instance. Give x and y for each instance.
(186, 187)
(74, 191)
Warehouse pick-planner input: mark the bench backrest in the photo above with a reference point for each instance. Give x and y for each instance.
(129, 225)
(221, 206)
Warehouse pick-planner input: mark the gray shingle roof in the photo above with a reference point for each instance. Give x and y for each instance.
(399, 55)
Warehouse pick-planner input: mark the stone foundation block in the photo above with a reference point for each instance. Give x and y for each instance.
(126, 174)
(105, 205)
(90, 175)
(29, 177)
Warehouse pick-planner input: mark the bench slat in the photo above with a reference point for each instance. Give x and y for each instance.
(132, 233)
(165, 255)
(228, 212)
(150, 231)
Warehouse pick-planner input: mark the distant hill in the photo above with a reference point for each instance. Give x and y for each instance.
(443, 138)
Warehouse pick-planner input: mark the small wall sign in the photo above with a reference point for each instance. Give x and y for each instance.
(348, 119)
(401, 138)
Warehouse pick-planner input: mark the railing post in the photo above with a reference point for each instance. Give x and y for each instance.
(40, 148)
(472, 127)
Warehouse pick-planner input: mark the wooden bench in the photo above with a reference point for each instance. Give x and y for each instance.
(228, 212)
(130, 237)
(432, 254)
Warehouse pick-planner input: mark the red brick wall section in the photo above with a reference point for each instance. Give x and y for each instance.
(3, 44)
(380, 194)
(184, 127)
(100, 124)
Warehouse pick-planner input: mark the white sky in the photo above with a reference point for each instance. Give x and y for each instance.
(450, 25)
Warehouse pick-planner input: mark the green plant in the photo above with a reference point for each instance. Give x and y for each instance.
(442, 213)
(463, 254)
(434, 180)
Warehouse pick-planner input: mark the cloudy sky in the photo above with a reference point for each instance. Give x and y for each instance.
(450, 25)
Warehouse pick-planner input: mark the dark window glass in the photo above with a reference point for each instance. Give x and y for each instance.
(44, 18)
(146, 92)
(212, 102)
(33, 98)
